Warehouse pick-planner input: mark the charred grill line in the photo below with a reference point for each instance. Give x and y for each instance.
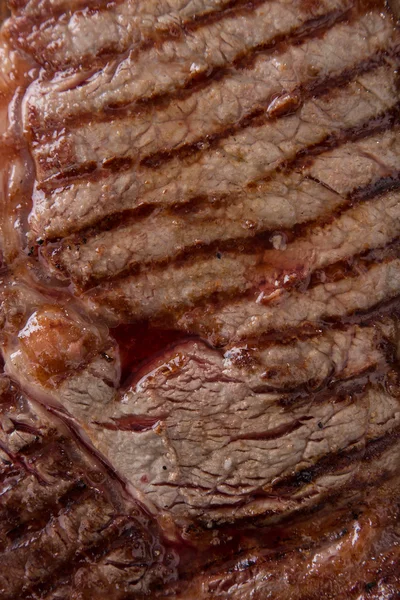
(229, 8)
(284, 312)
(197, 82)
(256, 242)
(336, 462)
(157, 159)
(259, 116)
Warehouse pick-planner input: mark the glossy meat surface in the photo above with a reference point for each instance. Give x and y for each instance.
(199, 288)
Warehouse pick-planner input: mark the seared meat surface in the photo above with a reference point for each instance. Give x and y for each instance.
(200, 283)
(64, 521)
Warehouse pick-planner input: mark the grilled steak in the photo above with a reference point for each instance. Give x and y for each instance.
(200, 283)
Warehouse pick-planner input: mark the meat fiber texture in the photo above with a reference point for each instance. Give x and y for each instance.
(200, 284)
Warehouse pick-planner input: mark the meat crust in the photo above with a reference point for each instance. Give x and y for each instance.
(200, 283)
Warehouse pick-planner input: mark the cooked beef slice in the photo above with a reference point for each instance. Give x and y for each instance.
(276, 205)
(115, 187)
(345, 553)
(308, 363)
(122, 26)
(137, 76)
(223, 175)
(181, 285)
(60, 510)
(197, 439)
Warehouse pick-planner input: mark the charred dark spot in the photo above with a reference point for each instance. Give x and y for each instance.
(370, 586)
(305, 476)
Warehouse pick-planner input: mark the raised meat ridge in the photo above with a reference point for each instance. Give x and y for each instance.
(200, 282)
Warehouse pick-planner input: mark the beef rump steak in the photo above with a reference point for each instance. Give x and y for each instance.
(200, 284)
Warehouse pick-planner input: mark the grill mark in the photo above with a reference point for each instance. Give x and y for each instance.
(376, 188)
(351, 266)
(338, 461)
(26, 529)
(386, 308)
(329, 498)
(378, 124)
(277, 548)
(257, 117)
(300, 510)
(258, 242)
(366, 317)
(197, 82)
(332, 386)
(253, 243)
(217, 301)
(334, 389)
(260, 237)
(228, 8)
(91, 171)
(313, 27)
(254, 345)
(120, 528)
(306, 331)
(359, 317)
(118, 220)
